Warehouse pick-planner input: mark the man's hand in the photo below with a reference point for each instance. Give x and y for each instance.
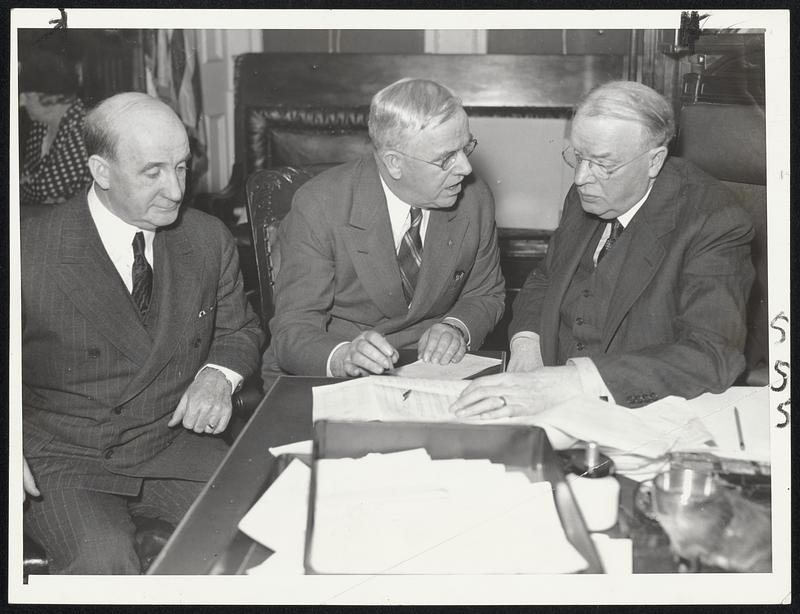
(28, 483)
(517, 394)
(441, 344)
(526, 355)
(205, 407)
(370, 352)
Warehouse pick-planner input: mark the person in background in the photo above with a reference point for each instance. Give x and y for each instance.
(642, 293)
(135, 333)
(53, 164)
(395, 250)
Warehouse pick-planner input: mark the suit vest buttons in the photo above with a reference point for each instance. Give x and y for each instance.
(586, 293)
(579, 321)
(198, 342)
(108, 453)
(580, 346)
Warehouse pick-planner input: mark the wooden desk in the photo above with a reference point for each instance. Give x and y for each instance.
(207, 540)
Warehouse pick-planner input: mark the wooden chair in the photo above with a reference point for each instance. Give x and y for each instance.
(729, 142)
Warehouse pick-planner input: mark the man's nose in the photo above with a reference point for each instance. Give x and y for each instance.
(174, 185)
(462, 165)
(582, 174)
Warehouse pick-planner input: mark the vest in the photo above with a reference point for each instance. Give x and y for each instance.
(584, 308)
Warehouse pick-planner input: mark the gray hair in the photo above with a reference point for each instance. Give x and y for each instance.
(101, 127)
(404, 108)
(632, 101)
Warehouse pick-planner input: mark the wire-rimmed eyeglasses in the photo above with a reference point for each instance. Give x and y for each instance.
(448, 161)
(600, 171)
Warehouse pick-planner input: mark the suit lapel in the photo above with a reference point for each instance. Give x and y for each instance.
(370, 244)
(576, 243)
(177, 278)
(89, 279)
(645, 251)
(443, 238)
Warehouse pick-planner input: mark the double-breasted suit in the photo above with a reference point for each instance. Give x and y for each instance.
(675, 323)
(339, 274)
(99, 384)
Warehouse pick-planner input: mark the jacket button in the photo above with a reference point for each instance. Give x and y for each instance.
(580, 346)
(109, 454)
(117, 410)
(586, 293)
(579, 321)
(197, 342)
(93, 353)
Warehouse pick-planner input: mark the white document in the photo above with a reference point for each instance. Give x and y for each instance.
(469, 365)
(387, 399)
(406, 514)
(278, 519)
(298, 447)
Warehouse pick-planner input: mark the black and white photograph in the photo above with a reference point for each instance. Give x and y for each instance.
(296, 295)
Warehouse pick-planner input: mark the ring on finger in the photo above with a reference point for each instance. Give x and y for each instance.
(502, 400)
(210, 427)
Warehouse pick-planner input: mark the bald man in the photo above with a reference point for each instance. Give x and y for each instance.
(135, 333)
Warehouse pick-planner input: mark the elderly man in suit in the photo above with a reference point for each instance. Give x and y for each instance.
(642, 292)
(135, 333)
(395, 250)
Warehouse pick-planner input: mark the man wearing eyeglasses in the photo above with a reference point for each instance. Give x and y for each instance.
(392, 251)
(642, 293)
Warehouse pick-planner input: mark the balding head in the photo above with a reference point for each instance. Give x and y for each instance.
(138, 156)
(118, 115)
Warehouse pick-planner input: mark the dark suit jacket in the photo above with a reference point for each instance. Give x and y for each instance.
(98, 388)
(676, 322)
(339, 274)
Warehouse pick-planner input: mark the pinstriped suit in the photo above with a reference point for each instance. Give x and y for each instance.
(98, 385)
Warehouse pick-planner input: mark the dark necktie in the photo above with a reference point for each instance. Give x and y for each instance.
(409, 256)
(616, 231)
(142, 276)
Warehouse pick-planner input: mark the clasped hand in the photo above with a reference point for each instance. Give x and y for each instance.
(371, 353)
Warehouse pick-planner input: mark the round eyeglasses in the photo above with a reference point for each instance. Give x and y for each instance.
(600, 171)
(448, 161)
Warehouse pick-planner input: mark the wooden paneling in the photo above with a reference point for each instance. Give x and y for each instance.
(348, 80)
(568, 42)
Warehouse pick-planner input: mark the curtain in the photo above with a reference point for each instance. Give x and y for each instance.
(172, 74)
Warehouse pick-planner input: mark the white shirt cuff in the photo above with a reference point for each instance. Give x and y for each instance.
(461, 326)
(234, 379)
(591, 380)
(328, 363)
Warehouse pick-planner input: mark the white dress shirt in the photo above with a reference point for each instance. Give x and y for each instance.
(591, 380)
(117, 238)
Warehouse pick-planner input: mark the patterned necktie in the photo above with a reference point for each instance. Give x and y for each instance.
(616, 231)
(142, 276)
(409, 256)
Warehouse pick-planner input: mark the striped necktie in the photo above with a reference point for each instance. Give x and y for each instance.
(409, 256)
(616, 231)
(142, 275)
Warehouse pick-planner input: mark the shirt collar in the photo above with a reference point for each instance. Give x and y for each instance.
(116, 234)
(398, 208)
(625, 218)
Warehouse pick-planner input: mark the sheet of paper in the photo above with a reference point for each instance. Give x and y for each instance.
(387, 399)
(469, 365)
(394, 514)
(615, 554)
(278, 519)
(298, 447)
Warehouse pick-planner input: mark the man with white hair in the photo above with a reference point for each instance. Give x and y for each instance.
(394, 250)
(642, 293)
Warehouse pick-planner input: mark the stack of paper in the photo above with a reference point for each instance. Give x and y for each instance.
(404, 513)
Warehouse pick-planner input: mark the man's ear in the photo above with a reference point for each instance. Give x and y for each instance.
(391, 160)
(657, 161)
(99, 168)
